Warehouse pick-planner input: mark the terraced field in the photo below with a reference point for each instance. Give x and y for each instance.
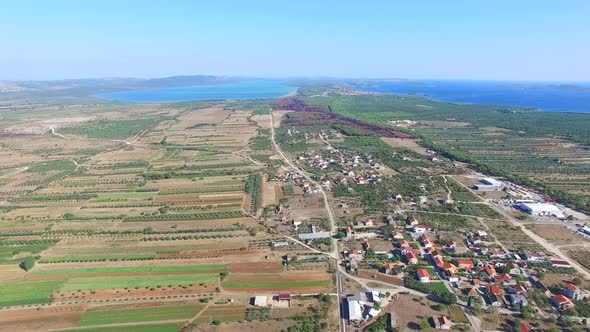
(136, 215)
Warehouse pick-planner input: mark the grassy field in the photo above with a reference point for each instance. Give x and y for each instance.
(94, 283)
(134, 269)
(113, 197)
(139, 315)
(56, 165)
(110, 129)
(134, 328)
(27, 293)
(7, 252)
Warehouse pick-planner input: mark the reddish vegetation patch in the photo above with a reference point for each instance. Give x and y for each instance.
(311, 115)
(256, 267)
(298, 105)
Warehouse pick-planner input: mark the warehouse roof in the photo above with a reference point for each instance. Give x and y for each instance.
(492, 182)
(544, 207)
(313, 236)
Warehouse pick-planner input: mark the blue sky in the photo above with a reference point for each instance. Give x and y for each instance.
(496, 40)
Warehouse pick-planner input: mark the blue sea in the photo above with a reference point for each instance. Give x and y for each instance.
(249, 89)
(547, 97)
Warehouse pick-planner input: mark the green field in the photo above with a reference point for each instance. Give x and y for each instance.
(134, 269)
(137, 281)
(27, 293)
(110, 129)
(56, 165)
(135, 328)
(7, 252)
(276, 284)
(139, 315)
(111, 197)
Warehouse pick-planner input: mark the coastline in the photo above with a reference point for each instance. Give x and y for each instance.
(438, 98)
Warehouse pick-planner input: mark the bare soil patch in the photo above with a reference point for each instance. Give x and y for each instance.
(393, 280)
(256, 267)
(411, 144)
(41, 320)
(411, 310)
(556, 234)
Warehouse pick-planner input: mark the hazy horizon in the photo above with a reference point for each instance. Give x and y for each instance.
(318, 78)
(527, 41)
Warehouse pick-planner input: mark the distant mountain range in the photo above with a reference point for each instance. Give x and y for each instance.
(119, 83)
(74, 90)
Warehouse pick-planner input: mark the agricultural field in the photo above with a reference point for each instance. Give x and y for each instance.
(166, 217)
(27, 293)
(140, 215)
(139, 315)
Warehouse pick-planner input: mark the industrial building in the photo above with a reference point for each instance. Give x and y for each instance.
(314, 236)
(492, 182)
(355, 310)
(489, 184)
(540, 209)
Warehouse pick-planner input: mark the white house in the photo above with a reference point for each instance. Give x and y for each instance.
(260, 301)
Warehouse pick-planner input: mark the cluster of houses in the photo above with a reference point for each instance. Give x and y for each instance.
(499, 278)
(317, 161)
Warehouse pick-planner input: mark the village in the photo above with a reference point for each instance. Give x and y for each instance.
(399, 250)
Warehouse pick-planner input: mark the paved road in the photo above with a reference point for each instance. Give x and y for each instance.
(334, 254)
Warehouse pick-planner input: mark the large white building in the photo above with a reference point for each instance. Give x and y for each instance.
(355, 311)
(540, 209)
(492, 182)
(489, 184)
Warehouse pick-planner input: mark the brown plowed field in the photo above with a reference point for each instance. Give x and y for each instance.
(256, 267)
(41, 320)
